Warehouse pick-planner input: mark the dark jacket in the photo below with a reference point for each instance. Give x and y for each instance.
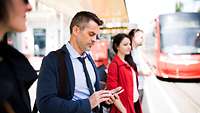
(16, 76)
(47, 98)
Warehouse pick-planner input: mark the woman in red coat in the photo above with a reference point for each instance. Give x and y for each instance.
(122, 72)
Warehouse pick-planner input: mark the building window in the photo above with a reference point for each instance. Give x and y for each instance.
(39, 41)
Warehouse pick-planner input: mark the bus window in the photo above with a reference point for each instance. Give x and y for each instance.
(178, 33)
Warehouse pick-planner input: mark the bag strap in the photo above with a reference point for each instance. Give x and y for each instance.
(62, 73)
(60, 54)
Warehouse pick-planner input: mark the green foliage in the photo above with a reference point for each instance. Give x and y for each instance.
(179, 6)
(198, 10)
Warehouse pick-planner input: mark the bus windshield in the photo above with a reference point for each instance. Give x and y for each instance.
(179, 33)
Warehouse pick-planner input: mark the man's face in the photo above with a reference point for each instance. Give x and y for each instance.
(87, 36)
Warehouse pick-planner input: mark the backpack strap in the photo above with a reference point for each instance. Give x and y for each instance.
(62, 73)
(60, 54)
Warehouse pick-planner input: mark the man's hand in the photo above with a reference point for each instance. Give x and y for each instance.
(117, 90)
(111, 100)
(99, 96)
(114, 95)
(107, 96)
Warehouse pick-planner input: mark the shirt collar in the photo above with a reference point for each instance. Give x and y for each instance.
(73, 53)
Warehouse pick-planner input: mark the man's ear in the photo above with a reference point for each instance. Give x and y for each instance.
(75, 30)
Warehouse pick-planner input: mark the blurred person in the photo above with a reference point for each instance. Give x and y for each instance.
(16, 73)
(122, 72)
(143, 67)
(84, 94)
(197, 41)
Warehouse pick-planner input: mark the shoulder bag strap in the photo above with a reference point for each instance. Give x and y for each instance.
(62, 73)
(62, 76)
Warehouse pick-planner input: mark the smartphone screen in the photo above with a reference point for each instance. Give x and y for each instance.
(117, 90)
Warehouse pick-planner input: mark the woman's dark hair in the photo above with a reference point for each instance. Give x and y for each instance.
(117, 40)
(84, 17)
(128, 58)
(4, 10)
(131, 34)
(5, 38)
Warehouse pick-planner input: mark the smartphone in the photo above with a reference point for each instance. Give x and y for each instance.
(117, 90)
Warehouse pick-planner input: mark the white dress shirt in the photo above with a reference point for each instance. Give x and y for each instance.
(81, 88)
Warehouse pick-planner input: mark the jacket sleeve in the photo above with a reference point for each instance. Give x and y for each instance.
(47, 99)
(112, 78)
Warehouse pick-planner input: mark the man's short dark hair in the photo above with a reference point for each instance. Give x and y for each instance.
(84, 17)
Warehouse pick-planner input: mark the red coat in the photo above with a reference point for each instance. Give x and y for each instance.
(120, 74)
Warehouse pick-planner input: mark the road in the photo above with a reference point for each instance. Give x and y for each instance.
(170, 97)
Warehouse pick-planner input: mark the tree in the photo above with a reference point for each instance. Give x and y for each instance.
(179, 6)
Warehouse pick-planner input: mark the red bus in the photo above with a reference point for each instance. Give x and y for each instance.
(178, 46)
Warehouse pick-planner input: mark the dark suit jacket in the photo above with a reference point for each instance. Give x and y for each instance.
(48, 100)
(16, 76)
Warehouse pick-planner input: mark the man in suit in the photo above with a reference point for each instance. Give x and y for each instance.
(84, 28)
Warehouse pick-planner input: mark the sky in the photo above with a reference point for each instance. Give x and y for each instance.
(143, 12)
